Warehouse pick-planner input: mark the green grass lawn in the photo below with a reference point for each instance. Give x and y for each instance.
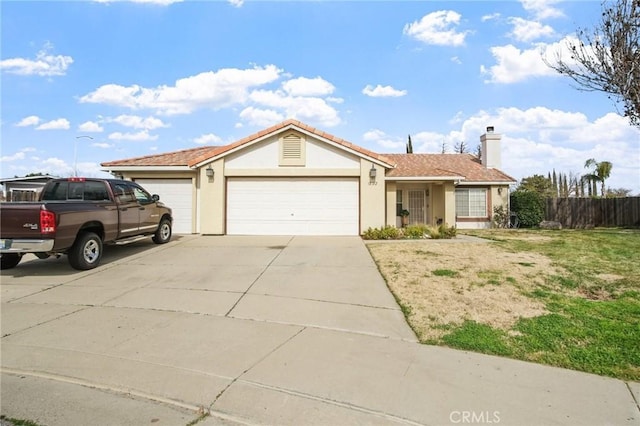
(594, 305)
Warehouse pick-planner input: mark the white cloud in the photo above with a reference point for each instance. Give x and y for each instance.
(91, 127)
(437, 28)
(303, 108)
(140, 136)
(103, 145)
(456, 60)
(490, 17)
(525, 30)
(382, 91)
(59, 124)
(514, 65)
(31, 120)
(308, 87)
(44, 64)
(542, 9)
(261, 117)
(15, 157)
(209, 138)
(537, 140)
(383, 140)
(137, 122)
(224, 88)
(236, 3)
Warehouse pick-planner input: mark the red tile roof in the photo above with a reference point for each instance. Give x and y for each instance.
(300, 125)
(406, 165)
(444, 165)
(176, 158)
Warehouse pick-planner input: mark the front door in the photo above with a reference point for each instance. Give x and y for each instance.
(416, 207)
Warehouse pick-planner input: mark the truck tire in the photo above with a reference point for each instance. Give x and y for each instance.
(163, 234)
(86, 251)
(9, 260)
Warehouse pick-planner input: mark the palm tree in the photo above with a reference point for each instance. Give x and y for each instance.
(600, 172)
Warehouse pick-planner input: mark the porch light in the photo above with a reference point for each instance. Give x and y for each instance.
(209, 171)
(373, 172)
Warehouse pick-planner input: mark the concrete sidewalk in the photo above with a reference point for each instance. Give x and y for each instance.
(257, 330)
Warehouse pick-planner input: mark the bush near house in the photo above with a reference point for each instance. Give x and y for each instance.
(529, 206)
(417, 231)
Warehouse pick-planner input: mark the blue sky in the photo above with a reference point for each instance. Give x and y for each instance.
(135, 78)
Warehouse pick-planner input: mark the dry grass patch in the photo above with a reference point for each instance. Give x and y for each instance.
(444, 283)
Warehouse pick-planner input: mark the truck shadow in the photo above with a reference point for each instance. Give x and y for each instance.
(31, 266)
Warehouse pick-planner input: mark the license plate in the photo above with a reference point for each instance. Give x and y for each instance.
(5, 244)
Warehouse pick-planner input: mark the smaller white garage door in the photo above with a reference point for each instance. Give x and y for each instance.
(288, 206)
(176, 194)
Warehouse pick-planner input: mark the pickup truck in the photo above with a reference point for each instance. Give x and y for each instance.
(77, 216)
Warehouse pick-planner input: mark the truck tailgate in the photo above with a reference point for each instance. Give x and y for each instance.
(20, 220)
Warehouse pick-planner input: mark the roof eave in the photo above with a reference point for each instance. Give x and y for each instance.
(146, 168)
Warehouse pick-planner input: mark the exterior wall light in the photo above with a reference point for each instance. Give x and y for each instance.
(373, 172)
(209, 170)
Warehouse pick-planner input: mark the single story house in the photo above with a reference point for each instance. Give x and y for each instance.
(24, 188)
(293, 179)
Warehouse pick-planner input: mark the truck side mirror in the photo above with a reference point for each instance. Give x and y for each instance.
(155, 198)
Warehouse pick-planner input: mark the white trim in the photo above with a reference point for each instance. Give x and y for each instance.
(148, 169)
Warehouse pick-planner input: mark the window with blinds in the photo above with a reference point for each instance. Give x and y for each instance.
(471, 202)
(292, 152)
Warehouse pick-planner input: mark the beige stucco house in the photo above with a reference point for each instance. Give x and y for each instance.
(293, 179)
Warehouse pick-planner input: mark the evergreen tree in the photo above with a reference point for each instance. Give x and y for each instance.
(409, 146)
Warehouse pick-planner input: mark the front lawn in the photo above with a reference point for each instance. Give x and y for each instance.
(568, 298)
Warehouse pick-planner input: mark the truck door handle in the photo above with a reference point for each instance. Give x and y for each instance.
(140, 208)
(123, 209)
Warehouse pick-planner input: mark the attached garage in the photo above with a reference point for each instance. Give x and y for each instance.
(176, 194)
(293, 206)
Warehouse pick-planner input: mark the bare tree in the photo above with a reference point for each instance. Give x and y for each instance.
(444, 148)
(461, 147)
(606, 58)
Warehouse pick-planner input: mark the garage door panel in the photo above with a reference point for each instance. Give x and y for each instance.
(292, 206)
(176, 194)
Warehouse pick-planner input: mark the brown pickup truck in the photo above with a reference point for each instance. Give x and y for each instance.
(76, 216)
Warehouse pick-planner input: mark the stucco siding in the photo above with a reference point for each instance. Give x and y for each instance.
(372, 197)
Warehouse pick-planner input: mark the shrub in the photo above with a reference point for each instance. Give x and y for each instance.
(386, 233)
(442, 232)
(500, 217)
(529, 206)
(415, 231)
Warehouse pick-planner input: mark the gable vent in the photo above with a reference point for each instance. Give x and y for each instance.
(292, 150)
(292, 147)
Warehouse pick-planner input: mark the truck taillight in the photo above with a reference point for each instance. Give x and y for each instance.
(47, 222)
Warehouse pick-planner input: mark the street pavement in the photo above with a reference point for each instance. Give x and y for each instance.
(257, 330)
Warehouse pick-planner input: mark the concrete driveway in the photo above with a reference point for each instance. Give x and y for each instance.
(257, 330)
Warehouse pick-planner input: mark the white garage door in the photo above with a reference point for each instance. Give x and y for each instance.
(286, 206)
(176, 194)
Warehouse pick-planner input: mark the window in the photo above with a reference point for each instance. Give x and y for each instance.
(471, 202)
(141, 195)
(95, 191)
(292, 152)
(56, 191)
(123, 193)
(398, 202)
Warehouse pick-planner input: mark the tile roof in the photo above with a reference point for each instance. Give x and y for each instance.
(176, 158)
(406, 165)
(300, 125)
(444, 165)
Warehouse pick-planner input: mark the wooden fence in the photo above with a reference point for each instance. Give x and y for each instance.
(581, 212)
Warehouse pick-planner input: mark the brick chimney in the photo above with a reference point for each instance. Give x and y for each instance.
(491, 152)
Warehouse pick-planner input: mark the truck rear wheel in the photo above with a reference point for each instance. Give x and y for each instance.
(86, 252)
(163, 234)
(9, 260)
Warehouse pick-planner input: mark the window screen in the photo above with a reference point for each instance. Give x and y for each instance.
(471, 202)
